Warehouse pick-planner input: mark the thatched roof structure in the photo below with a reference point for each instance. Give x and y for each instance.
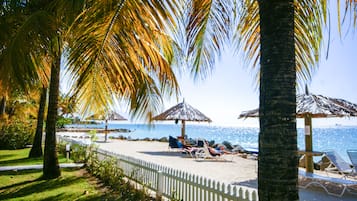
(314, 106)
(182, 111)
(111, 115)
(317, 106)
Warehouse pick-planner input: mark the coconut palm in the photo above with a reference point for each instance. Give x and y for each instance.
(284, 38)
(40, 34)
(120, 49)
(36, 149)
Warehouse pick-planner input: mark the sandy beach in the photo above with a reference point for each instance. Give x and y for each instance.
(235, 170)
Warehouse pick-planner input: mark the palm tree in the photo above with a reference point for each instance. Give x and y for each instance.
(278, 135)
(284, 37)
(36, 150)
(44, 22)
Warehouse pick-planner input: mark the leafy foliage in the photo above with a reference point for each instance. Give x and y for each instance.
(62, 121)
(16, 134)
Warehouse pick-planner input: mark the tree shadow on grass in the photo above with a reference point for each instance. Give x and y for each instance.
(31, 186)
(24, 161)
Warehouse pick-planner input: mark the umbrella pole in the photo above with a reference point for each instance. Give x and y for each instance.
(106, 130)
(183, 129)
(308, 144)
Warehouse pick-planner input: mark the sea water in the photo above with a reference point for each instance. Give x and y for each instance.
(339, 138)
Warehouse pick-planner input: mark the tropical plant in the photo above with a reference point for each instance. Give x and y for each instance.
(284, 38)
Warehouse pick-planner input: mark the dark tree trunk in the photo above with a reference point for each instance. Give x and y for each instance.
(50, 164)
(277, 172)
(36, 150)
(2, 106)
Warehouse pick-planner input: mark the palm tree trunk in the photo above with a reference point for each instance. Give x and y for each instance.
(277, 172)
(2, 106)
(36, 150)
(50, 164)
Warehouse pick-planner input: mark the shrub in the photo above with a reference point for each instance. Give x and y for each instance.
(62, 121)
(16, 134)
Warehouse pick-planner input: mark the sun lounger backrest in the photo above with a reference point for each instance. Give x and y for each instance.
(353, 157)
(337, 161)
(173, 142)
(200, 142)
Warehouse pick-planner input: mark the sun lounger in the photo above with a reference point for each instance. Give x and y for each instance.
(332, 186)
(352, 154)
(205, 153)
(340, 165)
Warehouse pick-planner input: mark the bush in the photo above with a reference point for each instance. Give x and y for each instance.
(62, 121)
(16, 134)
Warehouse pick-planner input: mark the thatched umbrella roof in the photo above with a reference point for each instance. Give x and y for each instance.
(110, 115)
(314, 106)
(183, 112)
(107, 116)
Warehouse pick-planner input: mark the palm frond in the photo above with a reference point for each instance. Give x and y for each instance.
(117, 45)
(206, 33)
(310, 18)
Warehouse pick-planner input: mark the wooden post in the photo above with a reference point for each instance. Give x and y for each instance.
(308, 143)
(160, 185)
(183, 129)
(106, 130)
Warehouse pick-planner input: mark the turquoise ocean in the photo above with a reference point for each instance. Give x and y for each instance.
(339, 138)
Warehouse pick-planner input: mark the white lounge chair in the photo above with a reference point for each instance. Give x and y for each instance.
(204, 153)
(332, 186)
(352, 154)
(340, 165)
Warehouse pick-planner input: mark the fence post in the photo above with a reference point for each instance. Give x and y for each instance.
(160, 185)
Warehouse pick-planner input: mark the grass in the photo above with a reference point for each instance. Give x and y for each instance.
(73, 184)
(20, 157)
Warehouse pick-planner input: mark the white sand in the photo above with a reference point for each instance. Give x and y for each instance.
(239, 171)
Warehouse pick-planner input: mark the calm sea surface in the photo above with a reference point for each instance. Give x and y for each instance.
(336, 138)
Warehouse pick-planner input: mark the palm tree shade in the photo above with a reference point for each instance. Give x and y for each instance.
(183, 112)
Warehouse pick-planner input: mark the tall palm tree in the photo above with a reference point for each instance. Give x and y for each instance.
(40, 34)
(277, 103)
(284, 38)
(36, 149)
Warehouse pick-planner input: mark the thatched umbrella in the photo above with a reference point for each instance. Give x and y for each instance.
(183, 112)
(314, 106)
(110, 115)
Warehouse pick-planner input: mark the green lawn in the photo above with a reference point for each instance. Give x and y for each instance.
(20, 157)
(27, 185)
(73, 184)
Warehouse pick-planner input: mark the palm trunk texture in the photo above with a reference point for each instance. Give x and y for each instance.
(36, 150)
(2, 106)
(277, 163)
(50, 164)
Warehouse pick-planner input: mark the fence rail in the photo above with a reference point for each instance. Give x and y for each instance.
(174, 184)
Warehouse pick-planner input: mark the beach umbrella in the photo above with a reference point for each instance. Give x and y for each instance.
(110, 115)
(183, 112)
(314, 106)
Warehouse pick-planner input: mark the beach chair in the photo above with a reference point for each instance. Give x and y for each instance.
(352, 154)
(332, 186)
(340, 165)
(205, 153)
(174, 144)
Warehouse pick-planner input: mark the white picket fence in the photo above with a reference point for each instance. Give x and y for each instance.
(175, 184)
